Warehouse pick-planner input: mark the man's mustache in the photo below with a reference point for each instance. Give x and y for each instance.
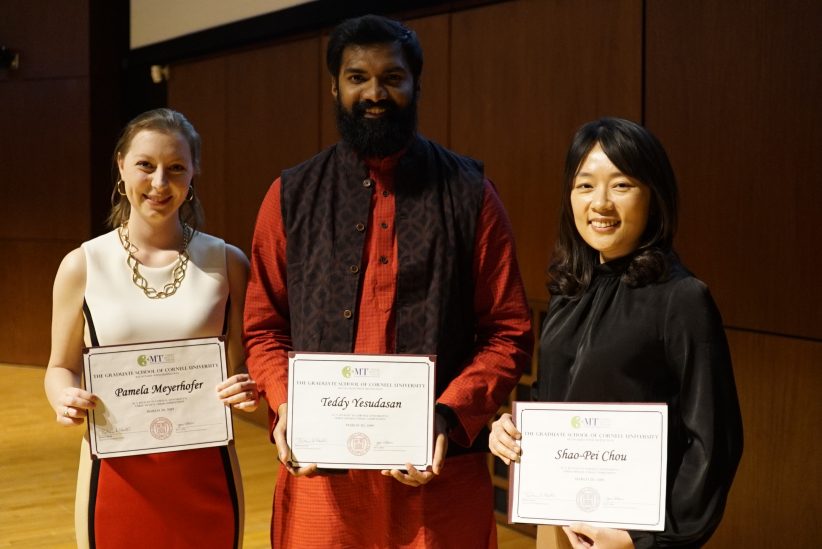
(361, 106)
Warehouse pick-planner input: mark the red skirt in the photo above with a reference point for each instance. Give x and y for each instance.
(182, 499)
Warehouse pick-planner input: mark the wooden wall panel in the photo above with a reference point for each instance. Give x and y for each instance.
(198, 90)
(733, 92)
(519, 90)
(328, 124)
(51, 36)
(773, 497)
(273, 124)
(434, 101)
(44, 154)
(257, 114)
(25, 325)
(44, 163)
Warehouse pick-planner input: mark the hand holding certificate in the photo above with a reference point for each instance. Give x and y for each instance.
(602, 464)
(351, 411)
(157, 397)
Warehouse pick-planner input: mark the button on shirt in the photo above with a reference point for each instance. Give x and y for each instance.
(375, 325)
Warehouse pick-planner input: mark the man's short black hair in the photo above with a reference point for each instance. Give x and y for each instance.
(373, 29)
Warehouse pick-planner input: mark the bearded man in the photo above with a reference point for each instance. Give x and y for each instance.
(388, 243)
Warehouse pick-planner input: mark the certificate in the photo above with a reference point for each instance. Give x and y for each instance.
(351, 411)
(156, 397)
(603, 464)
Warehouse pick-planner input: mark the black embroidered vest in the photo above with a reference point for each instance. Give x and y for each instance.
(325, 209)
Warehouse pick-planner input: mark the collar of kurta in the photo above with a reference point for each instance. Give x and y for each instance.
(379, 165)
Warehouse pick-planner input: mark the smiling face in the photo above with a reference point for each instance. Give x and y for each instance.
(157, 170)
(375, 76)
(376, 98)
(610, 208)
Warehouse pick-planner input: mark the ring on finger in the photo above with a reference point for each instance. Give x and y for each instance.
(66, 411)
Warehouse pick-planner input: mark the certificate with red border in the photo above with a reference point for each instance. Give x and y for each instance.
(157, 397)
(603, 464)
(354, 411)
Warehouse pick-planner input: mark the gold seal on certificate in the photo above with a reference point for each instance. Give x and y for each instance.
(350, 411)
(157, 397)
(604, 464)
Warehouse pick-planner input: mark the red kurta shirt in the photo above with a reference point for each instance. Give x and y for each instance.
(454, 508)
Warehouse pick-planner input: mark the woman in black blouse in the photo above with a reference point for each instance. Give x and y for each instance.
(628, 323)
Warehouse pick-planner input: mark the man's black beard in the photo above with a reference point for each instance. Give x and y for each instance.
(377, 137)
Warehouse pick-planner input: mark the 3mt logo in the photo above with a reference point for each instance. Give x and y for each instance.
(145, 360)
(578, 422)
(359, 371)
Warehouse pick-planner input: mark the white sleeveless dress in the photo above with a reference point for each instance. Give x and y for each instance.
(191, 498)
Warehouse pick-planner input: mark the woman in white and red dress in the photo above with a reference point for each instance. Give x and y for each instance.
(154, 277)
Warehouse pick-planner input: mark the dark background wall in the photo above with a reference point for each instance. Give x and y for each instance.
(731, 88)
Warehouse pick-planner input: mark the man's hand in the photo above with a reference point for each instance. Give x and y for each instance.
(414, 477)
(283, 451)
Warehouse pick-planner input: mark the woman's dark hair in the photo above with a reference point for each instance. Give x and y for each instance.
(640, 155)
(373, 29)
(164, 121)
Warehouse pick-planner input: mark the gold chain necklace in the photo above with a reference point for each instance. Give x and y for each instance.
(177, 275)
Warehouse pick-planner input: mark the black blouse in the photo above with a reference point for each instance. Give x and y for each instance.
(663, 342)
